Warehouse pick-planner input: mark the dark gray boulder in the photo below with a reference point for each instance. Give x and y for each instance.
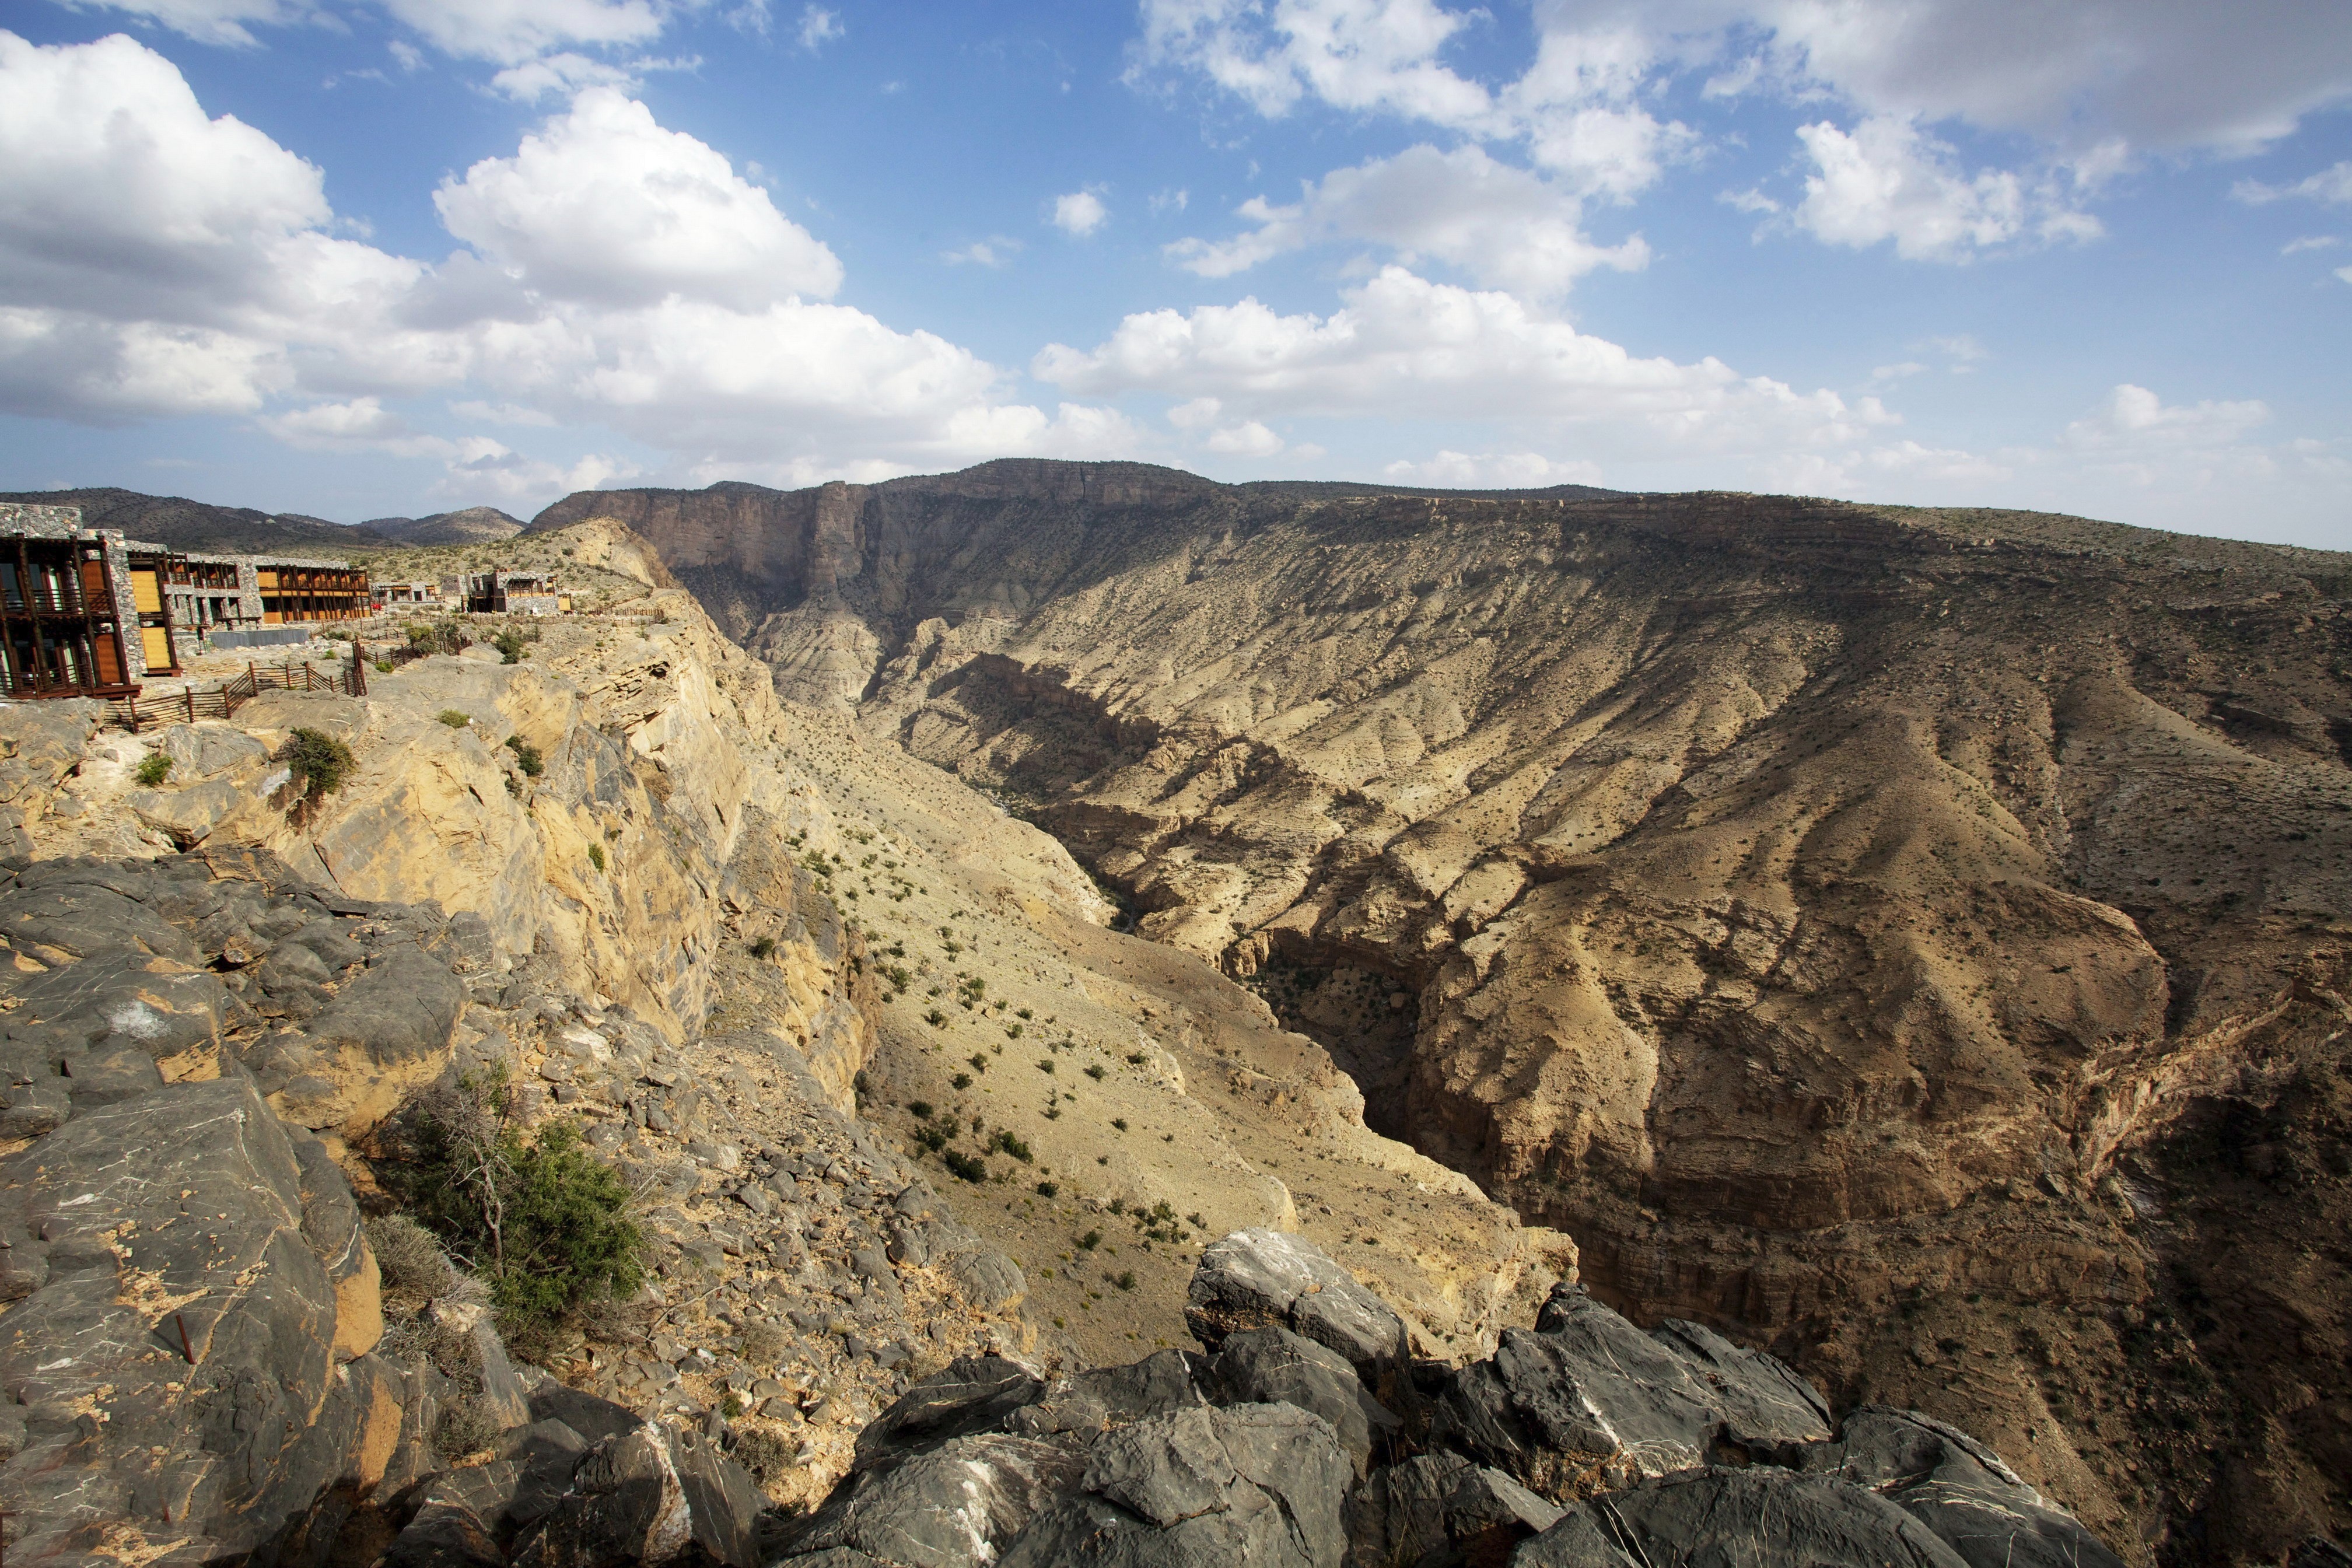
(178, 1360)
(1268, 1278)
(85, 907)
(1588, 1403)
(652, 1496)
(971, 1394)
(1091, 1402)
(127, 999)
(1254, 1483)
(1440, 1509)
(1265, 1366)
(1959, 1488)
(1762, 1516)
(956, 1505)
(403, 1006)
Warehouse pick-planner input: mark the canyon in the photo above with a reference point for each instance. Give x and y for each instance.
(1914, 940)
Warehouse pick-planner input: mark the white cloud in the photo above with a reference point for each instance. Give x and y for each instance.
(509, 32)
(1248, 439)
(2310, 242)
(154, 261)
(1889, 180)
(1494, 470)
(603, 204)
(567, 72)
(1195, 414)
(226, 22)
(1402, 347)
(2092, 84)
(1502, 226)
(1170, 201)
(996, 250)
(2344, 273)
(2332, 186)
(1080, 213)
(819, 26)
(2132, 416)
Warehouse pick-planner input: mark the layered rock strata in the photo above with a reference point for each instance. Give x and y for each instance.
(1916, 937)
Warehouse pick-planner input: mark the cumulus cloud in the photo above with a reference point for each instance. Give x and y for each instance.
(156, 261)
(1889, 180)
(2134, 417)
(603, 204)
(2092, 84)
(1080, 213)
(1502, 225)
(1404, 347)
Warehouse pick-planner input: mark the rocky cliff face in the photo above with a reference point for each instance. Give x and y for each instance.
(1915, 939)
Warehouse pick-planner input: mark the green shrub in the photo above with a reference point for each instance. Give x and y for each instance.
(596, 856)
(965, 1166)
(438, 637)
(764, 948)
(1126, 1280)
(510, 646)
(1049, 1190)
(1090, 1241)
(527, 756)
(542, 1220)
(455, 720)
(1096, 1072)
(920, 1110)
(153, 769)
(318, 763)
(962, 1080)
(1013, 1146)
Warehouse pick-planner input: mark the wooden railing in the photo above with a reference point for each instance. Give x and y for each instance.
(224, 701)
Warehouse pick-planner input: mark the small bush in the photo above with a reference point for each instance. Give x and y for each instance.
(764, 948)
(1090, 1241)
(527, 756)
(596, 856)
(511, 648)
(438, 637)
(920, 1110)
(1016, 1147)
(1135, 1059)
(542, 1221)
(767, 1456)
(1044, 1064)
(455, 720)
(964, 1165)
(1126, 1280)
(1119, 1122)
(1096, 1072)
(153, 769)
(1049, 1190)
(962, 1080)
(318, 763)
(415, 1270)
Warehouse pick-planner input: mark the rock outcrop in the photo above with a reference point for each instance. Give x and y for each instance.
(1175, 1461)
(1910, 938)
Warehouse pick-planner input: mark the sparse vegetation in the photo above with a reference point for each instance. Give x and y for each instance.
(153, 769)
(455, 720)
(527, 756)
(317, 763)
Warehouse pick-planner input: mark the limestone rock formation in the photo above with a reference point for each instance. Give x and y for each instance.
(1913, 937)
(1187, 1465)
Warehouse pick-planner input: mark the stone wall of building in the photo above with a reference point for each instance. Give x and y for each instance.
(40, 521)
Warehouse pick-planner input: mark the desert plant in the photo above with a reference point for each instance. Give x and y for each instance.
(764, 948)
(317, 762)
(455, 720)
(964, 1165)
(596, 856)
(527, 756)
(510, 646)
(153, 769)
(438, 637)
(1049, 1190)
(542, 1220)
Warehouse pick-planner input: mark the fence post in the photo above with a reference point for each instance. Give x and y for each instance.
(189, 691)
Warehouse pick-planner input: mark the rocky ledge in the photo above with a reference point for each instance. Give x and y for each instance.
(1305, 1435)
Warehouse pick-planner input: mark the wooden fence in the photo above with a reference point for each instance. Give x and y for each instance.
(222, 702)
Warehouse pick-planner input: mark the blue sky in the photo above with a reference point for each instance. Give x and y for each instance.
(355, 258)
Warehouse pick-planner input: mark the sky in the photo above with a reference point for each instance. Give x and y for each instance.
(369, 257)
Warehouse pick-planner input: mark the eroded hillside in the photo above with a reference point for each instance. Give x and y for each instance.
(1916, 940)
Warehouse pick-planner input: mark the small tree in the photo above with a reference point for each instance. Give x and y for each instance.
(318, 763)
